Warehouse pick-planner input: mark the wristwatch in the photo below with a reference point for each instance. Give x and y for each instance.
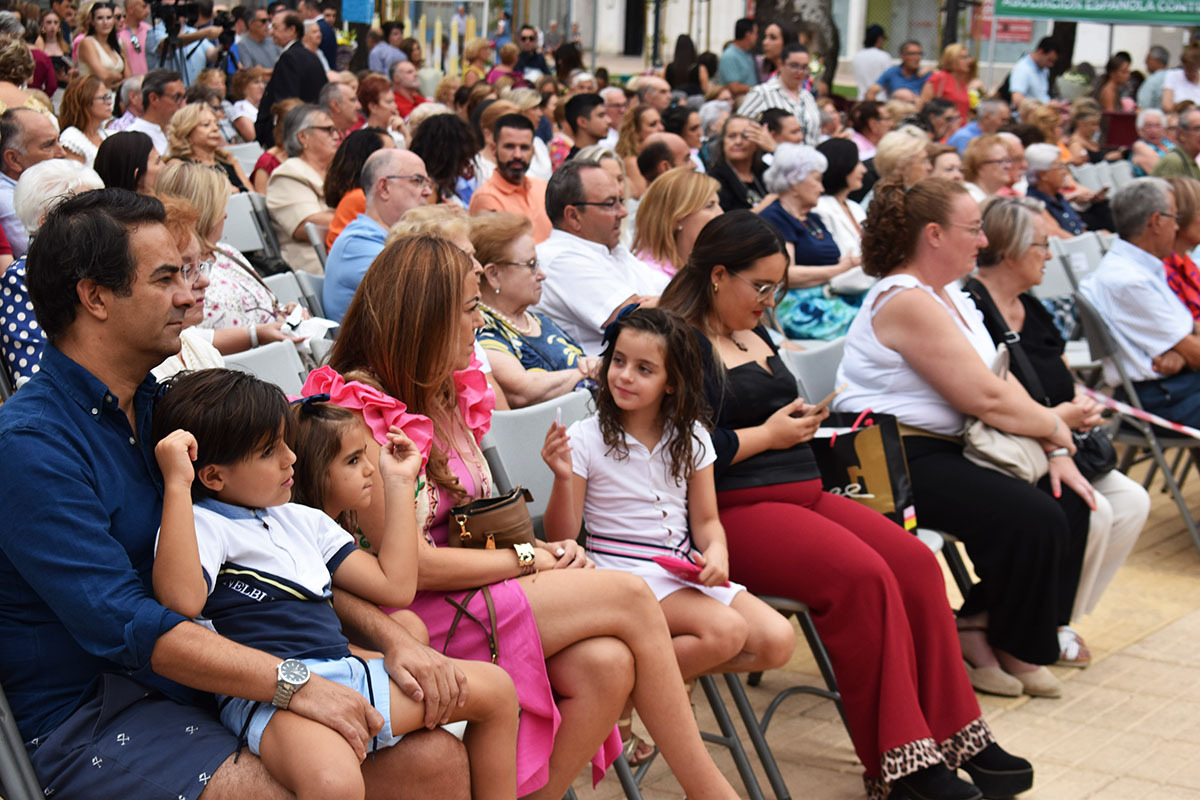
(291, 674)
(525, 557)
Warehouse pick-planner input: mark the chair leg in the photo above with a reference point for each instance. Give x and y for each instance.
(823, 663)
(625, 775)
(1169, 479)
(729, 737)
(1128, 458)
(765, 756)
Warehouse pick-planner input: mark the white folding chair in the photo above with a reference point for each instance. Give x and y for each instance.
(1104, 175)
(1088, 177)
(313, 288)
(1081, 254)
(1056, 280)
(286, 287)
(241, 227)
(316, 237)
(816, 367)
(276, 362)
(263, 218)
(247, 155)
(518, 436)
(1121, 171)
(1107, 238)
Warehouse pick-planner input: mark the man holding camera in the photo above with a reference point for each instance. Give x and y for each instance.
(187, 51)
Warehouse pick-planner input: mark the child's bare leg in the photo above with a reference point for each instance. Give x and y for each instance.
(770, 638)
(311, 760)
(491, 713)
(704, 632)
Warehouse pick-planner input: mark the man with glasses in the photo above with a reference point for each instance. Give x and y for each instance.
(1158, 342)
(897, 81)
(509, 188)
(133, 34)
(297, 73)
(616, 103)
(590, 275)
(990, 117)
(394, 181)
(530, 57)
(1181, 162)
(256, 48)
(786, 91)
(162, 96)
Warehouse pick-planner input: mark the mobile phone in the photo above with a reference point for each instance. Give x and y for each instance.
(681, 568)
(821, 406)
(558, 416)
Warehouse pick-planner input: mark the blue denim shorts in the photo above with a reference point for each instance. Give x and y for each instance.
(368, 678)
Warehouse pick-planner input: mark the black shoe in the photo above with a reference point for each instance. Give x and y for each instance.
(933, 783)
(999, 774)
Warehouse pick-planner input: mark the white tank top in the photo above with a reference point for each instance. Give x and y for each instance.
(879, 378)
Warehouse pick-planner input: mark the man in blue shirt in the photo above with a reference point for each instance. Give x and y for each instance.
(902, 78)
(737, 68)
(96, 671)
(393, 181)
(990, 117)
(1030, 76)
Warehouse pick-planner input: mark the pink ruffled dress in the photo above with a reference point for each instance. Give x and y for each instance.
(519, 643)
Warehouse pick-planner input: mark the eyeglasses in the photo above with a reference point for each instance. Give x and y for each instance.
(419, 181)
(531, 264)
(177, 97)
(1044, 245)
(192, 272)
(1005, 161)
(763, 291)
(528, 38)
(103, 98)
(329, 129)
(796, 67)
(608, 205)
(974, 230)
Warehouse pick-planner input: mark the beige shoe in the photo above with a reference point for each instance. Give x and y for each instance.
(993, 680)
(1040, 683)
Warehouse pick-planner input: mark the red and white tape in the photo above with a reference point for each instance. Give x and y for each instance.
(1145, 416)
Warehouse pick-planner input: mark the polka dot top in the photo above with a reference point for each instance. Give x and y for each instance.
(21, 338)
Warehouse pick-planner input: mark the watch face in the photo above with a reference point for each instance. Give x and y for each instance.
(293, 671)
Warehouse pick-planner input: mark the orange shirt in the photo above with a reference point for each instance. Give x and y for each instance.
(528, 200)
(350, 206)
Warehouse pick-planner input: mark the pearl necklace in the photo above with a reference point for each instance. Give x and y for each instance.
(530, 320)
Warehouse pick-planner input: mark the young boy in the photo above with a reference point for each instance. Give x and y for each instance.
(260, 569)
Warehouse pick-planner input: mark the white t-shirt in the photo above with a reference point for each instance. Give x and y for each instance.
(869, 64)
(154, 132)
(1182, 88)
(244, 108)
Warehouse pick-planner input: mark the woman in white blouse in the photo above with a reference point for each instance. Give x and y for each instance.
(247, 92)
(86, 106)
(841, 215)
(100, 51)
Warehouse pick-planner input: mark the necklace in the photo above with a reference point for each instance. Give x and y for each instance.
(814, 229)
(529, 319)
(736, 343)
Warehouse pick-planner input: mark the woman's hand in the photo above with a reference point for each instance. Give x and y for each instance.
(1080, 413)
(175, 454)
(793, 424)
(273, 332)
(399, 459)
(761, 137)
(556, 451)
(286, 311)
(589, 367)
(848, 262)
(568, 554)
(766, 201)
(715, 561)
(1063, 470)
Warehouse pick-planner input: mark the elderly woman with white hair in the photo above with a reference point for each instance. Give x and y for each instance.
(296, 189)
(1047, 173)
(807, 310)
(38, 190)
(1152, 143)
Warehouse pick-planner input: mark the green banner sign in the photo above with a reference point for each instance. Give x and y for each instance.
(1137, 12)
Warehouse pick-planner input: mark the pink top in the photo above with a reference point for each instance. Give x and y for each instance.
(666, 268)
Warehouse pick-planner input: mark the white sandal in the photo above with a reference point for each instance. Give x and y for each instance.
(1073, 650)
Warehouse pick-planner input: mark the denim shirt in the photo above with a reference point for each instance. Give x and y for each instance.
(1060, 209)
(82, 501)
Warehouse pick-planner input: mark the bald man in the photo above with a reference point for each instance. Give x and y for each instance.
(661, 152)
(393, 181)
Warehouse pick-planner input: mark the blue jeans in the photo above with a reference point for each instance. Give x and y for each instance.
(1177, 398)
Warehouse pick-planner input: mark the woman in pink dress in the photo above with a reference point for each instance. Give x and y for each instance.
(576, 641)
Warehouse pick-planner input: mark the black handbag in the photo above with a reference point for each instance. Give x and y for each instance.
(1094, 453)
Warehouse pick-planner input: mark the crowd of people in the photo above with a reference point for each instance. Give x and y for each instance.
(503, 236)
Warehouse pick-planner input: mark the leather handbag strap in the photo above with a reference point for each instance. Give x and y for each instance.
(489, 630)
(1013, 339)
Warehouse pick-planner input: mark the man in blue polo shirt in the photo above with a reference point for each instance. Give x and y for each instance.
(393, 181)
(737, 68)
(1030, 76)
(903, 78)
(96, 671)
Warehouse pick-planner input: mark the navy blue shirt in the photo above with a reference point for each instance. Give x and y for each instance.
(1060, 209)
(82, 500)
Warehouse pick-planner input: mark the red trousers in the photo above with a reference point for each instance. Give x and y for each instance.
(878, 599)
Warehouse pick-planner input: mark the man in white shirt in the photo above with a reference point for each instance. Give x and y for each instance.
(1158, 342)
(27, 137)
(162, 96)
(1030, 76)
(616, 104)
(590, 276)
(872, 61)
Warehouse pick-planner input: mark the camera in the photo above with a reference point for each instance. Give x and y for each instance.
(225, 20)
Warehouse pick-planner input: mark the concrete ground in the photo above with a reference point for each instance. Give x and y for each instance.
(1127, 727)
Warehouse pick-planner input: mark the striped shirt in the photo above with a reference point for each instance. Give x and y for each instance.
(772, 94)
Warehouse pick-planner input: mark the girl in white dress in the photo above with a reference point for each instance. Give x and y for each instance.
(640, 473)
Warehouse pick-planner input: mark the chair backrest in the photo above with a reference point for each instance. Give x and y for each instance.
(276, 362)
(287, 289)
(263, 218)
(1081, 254)
(247, 155)
(1107, 238)
(1121, 171)
(1088, 176)
(316, 237)
(17, 779)
(241, 226)
(313, 287)
(1102, 344)
(815, 368)
(1104, 175)
(518, 435)
(1056, 280)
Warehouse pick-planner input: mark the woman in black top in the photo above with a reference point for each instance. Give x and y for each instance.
(737, 164)
(876, 592)
(1011, 265)
(685, 73)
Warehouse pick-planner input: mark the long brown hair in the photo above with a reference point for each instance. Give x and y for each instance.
(402, 329)
(681, 408)
(315, 436)
(76, 101)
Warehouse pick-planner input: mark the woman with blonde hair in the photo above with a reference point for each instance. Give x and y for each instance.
(86, 104)
(638, 123)
(194, 135)
(100, 50)
(986, 167)
(238, 306)
(903, 154)
(16, 68)
(671, 215)
(476, 55)
(507, 65)
(952, 80)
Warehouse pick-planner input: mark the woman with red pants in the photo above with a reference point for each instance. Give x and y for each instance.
(875, 591)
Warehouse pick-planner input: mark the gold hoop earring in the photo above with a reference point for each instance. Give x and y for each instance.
(716, 288)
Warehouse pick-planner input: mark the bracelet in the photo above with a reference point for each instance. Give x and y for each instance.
(1059, 452)
(253, 329)
(526, 559)
(1055, 425)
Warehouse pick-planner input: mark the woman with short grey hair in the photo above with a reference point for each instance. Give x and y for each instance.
(1012, 263)
(1152, 142)
(808, 310)
(296, 189)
